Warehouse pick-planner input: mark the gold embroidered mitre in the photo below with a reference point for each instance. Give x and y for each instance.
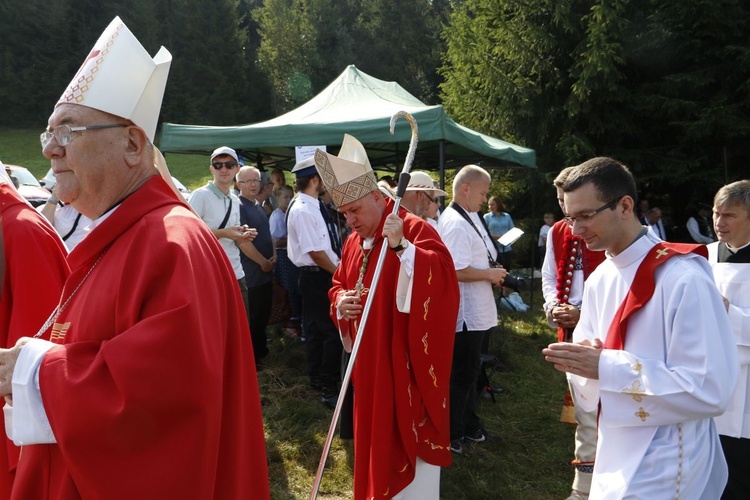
(348, 176)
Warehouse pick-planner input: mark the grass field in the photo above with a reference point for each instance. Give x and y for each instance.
(530, 462)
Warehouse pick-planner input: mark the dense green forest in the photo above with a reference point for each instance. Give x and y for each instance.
(663, 85)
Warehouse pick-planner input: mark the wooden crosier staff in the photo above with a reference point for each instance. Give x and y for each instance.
(403, 181)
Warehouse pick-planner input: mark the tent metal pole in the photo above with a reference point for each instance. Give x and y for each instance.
(442, 171)
(533, 183)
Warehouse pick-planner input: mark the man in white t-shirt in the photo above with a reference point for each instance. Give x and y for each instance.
(219, 208)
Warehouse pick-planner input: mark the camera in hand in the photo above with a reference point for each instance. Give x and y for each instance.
(513, 282)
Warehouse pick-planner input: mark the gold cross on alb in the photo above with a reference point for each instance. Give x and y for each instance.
(661, 252)
(642, 414)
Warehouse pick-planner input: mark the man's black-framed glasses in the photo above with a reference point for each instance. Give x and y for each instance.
(63, 134)
(586, 218)
(432, 200)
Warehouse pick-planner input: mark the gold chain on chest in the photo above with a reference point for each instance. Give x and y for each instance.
(362, 270)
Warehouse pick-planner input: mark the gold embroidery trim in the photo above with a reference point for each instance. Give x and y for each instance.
(434, 377)
(59, 330)
(635, 391)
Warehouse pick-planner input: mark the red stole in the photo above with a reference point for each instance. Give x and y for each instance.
(642, 288)
(566, 247)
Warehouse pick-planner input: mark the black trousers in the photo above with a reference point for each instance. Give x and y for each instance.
(463, 389)
(323, 342)
(737, 454)
(259, 300)
(243, 292)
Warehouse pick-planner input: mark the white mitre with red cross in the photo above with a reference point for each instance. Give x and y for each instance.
(121, 78)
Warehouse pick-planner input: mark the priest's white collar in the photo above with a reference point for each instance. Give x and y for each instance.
(735, 250)
(642, 244)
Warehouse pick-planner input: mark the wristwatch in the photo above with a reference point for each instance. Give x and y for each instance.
(401, 245)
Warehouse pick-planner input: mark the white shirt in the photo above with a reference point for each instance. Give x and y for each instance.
(477, 307)
(733, 282)
(657, 228)
(659, 395)
(307, 232)
(277, 223)
(211, 205)
(695, 232)
(543, 234)
(64, 221)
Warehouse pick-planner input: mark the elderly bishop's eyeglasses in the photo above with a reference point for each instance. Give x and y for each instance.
(63, 134)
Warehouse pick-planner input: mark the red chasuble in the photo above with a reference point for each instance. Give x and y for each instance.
(35, 270)
(401, 376)
(152, 392)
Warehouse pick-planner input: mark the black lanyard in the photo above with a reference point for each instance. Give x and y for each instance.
(458, 208)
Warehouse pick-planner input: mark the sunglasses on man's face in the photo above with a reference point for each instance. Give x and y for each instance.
(226, 164)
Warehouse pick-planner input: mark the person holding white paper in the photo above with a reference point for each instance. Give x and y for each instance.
(499, 222)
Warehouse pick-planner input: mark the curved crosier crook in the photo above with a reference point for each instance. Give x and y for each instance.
(403, 181)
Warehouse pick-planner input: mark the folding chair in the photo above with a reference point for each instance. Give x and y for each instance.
(488, 366)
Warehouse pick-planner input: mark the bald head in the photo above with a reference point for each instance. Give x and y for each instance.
(469, 174)
(470, 187)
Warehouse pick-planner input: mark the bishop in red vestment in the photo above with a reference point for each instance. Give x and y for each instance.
(401, 376)
(35, 270)
(147, 387)
(152, 391)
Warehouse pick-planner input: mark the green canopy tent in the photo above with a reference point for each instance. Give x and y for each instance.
(360, 105)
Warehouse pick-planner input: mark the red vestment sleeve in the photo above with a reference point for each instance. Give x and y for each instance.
(35, 270)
